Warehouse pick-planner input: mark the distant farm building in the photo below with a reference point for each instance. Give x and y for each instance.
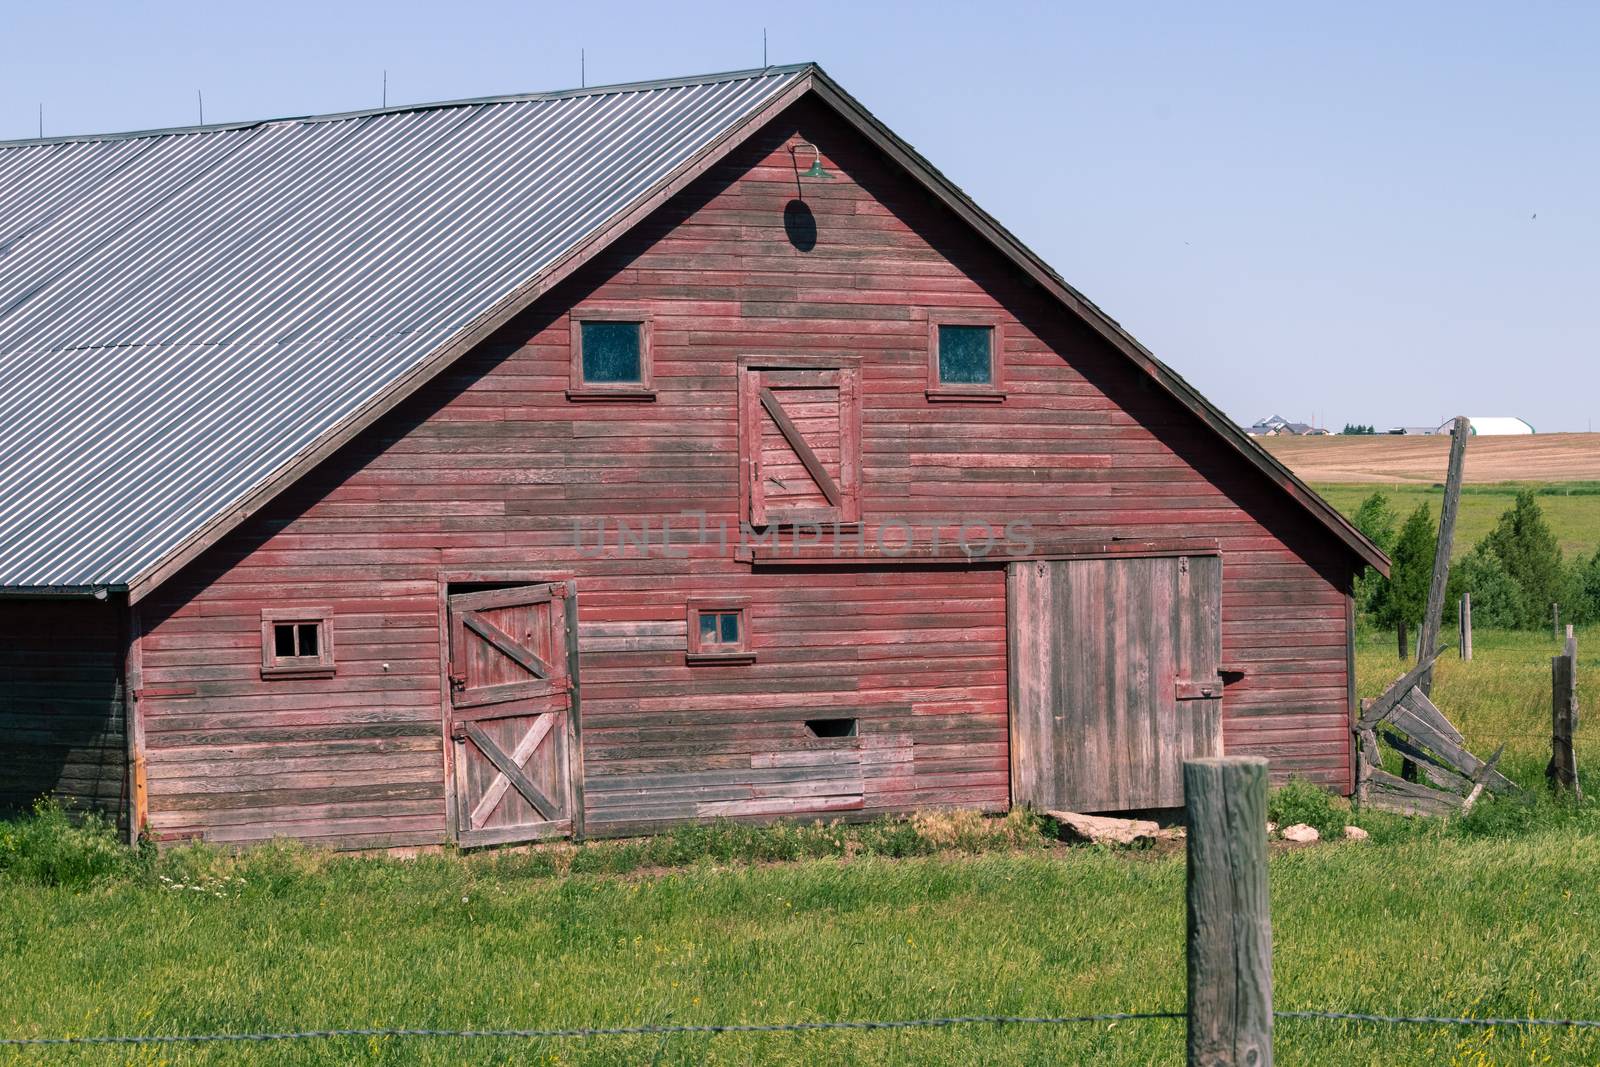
(1278, 426)
(1494, 426)
(584, 463)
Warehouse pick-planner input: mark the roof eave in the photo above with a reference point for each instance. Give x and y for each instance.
(60, 592)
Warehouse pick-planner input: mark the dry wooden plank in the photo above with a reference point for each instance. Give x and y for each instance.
(1480, 780)
(1394, 694)
(1438, 772)
(1393, 793)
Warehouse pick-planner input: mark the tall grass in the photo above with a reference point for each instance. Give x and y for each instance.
(1495, 914)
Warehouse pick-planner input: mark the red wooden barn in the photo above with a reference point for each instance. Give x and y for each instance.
(587, 462)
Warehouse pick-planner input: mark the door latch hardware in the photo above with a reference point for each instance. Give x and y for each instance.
(1197, 689)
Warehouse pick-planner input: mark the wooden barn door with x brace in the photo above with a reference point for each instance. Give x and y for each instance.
(799, 444)
(510, 707)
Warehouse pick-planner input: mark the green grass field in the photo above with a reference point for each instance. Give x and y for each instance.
(1493, 915)
(1571, 508)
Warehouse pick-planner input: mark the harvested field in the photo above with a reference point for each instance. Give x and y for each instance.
(1555, 457)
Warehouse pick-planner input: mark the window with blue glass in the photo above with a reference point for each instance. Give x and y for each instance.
(964, 357)
(613, 352)
(610, 353)
(718, 631)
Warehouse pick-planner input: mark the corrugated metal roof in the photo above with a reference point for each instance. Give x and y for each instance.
(183, 312)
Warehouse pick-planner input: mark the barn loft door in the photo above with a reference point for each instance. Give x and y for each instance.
(509, 704)
(1115, 681)
(799, 445)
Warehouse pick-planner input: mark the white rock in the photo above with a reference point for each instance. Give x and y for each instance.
(1300, 833)
(1104, 830)
(1355, 833)
(1272, 828)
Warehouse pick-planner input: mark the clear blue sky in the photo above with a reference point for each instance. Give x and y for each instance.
(1324, 212)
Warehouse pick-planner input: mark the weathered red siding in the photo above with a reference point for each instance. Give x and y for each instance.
(491, 467)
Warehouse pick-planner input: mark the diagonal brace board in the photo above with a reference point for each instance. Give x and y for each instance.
(521, 654)
(497, 790)
(513, 773)
(791, 433)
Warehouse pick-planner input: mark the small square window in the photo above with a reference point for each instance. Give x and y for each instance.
(718, 632)
(611, 356)
(965, 357)
(612, 352)
(296, 642)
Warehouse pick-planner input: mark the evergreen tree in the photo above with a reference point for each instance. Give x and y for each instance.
(1411, 570)
(1376, 519)
(1526, 548)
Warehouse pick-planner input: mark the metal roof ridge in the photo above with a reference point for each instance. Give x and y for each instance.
(437, 105)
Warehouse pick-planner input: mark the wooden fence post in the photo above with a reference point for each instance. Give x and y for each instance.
(1400, 638)
(1572, 654)
(1230, 921)
(1555, 621)
(1433, 614)
(1465, 612)
(1563, 768)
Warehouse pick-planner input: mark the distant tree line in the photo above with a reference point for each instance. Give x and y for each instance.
(1355, 429)
(1514, 574)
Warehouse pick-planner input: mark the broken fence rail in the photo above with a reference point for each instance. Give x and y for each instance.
(668, 1029)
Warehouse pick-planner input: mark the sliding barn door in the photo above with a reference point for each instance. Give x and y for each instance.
(510, 699)
(1115, 679)
(799, 445)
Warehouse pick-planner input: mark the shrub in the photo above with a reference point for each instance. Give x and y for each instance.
(52, 847)
(1496, 600)
(1580, 602)
(1300, 801)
